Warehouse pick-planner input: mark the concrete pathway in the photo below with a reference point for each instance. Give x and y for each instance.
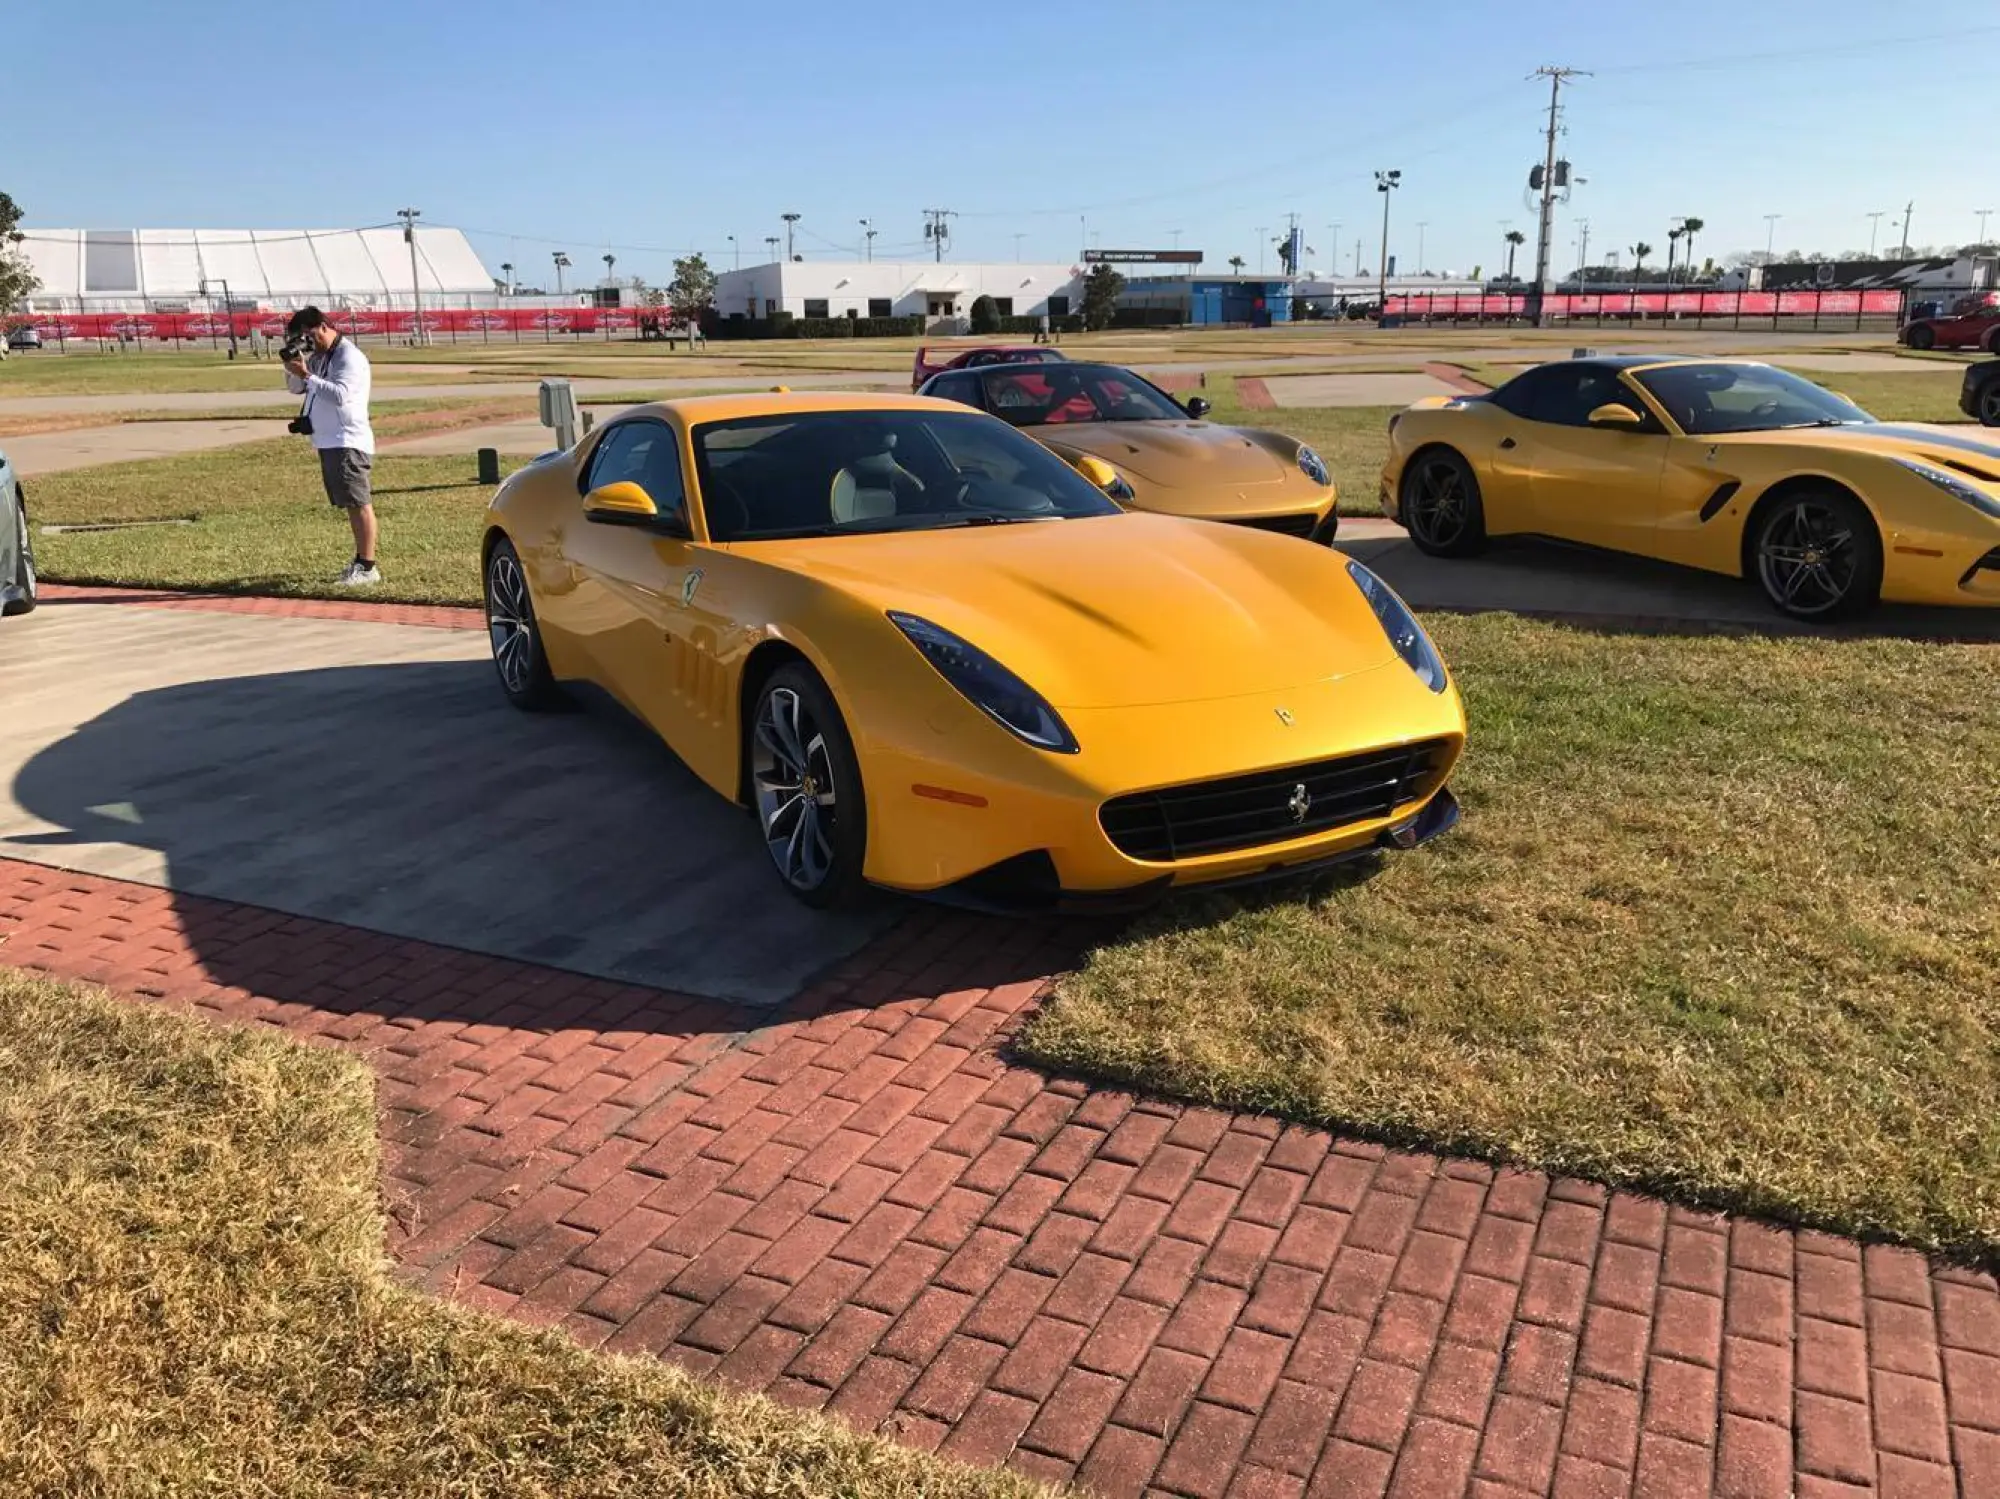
(857, 1201)
(83, 447)
(373, 774)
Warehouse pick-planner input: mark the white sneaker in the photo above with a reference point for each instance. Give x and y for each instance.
(358, 576)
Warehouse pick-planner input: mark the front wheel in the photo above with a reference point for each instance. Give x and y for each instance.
(1440, 505)
(1989, 404)
(1920, 337)
(1819, 556)
(806, 789)
(518, 657)
(26, 592)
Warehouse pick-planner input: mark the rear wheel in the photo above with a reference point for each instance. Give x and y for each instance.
(1989, 404)
(1920, 337)
(26, 594)
(806, 789)
(1819, 556)
(1440, 505)
(518, 658)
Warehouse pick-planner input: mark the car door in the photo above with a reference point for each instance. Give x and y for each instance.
(1499, 441)
(627, 607)
(1597, 485)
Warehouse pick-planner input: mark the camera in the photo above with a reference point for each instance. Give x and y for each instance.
(300, 425)
(297, 346)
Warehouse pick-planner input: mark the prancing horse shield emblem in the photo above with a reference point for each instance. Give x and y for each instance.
(1301, 802)
(1284, 716)
(688, 587)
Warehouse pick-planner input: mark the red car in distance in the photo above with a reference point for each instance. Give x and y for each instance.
(976, 358)
(1973, 323)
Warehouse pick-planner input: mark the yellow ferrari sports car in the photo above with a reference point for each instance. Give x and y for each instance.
(1150, 452)
(929, 655)
(1726, 465)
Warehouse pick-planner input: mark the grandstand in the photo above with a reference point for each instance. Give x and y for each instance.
(164, 270)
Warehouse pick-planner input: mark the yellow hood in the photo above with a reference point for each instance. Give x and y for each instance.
(1121, 611)
(1958, 448)
(1173, 455)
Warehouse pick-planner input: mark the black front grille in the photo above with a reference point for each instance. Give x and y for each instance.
(1284, 525)
(1270, 806)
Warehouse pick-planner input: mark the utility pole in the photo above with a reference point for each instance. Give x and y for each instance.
(1984, 215)
(868, 237)
(1555, 76)
(1770, 234)
(936, 230)
(409, 216)
(1333, 261)
(1422, 225)
(1874, 227)
(1385, 184)
(790, 219)
(1582, 249)
(1908, 209)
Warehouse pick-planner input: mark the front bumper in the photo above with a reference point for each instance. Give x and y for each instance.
(1028, 884)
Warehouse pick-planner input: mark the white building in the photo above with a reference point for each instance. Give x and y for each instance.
(943, 292)
(137, 270)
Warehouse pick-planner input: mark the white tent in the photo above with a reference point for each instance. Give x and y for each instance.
(116, 270)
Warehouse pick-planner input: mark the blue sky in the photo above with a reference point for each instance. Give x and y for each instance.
(651, 129)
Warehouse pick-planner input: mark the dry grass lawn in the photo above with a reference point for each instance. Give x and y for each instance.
(1722, 921)
(193, 1302)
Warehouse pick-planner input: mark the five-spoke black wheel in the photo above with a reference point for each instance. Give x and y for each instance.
(806, 788)
(1989, 404)
(510, 626)
(1818, 555)
(1440, 506)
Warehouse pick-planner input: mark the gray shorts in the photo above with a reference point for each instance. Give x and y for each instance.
(345, 471)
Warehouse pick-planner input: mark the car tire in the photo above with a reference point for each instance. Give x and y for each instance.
(805, 789)
(1817, 555)
(1989, 404)
(27, 588)
(1920, 337)
(518, 658)
(1438, 503)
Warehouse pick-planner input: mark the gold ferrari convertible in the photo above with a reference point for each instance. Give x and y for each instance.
(929, 655)
(1726, 465)
(1148, 451)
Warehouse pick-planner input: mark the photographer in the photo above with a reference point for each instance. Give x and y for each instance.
(333, 375)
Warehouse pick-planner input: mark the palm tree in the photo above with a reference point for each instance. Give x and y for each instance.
(1236, 264)
(508, 267)
(1639, 253)
(1515, 239)
(1689, 227)
(1673, 239)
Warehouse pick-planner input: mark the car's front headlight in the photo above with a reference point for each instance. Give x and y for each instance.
(988, 686)
(1312, 467)
(1954, 486)
(1401, 626)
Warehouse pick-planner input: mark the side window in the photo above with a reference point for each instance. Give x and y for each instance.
(1517, 396)
(1568, 397)
(642, 453)
(962, 388)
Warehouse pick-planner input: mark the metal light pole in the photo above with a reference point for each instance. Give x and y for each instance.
(1874, 227)
(1984, 214)
(772, 241)
(790, 219)
(1582, 250)
(1017, 247)
(1262, 230)
(1385, 184)
(561, 260)
(1334, 259)
(1770, 234)
(735, 253)
(1422, 225)
(409, 217)
(1909, 210)
(868, 237)
(508, 267)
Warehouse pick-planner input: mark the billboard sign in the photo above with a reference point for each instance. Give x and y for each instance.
(1142, 257)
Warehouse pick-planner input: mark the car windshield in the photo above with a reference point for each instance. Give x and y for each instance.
(839, 473)
(1711, 398)
(1042, 396)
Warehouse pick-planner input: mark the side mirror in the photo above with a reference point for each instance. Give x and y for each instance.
(620, 504)
(1617, 418)
(1198, 406)
(1102, 474)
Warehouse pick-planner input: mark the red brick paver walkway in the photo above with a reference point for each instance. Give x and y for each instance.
(860, 1204)
(360, 608)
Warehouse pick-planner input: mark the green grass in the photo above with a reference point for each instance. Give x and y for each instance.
(1722, 921)
(179, 372)
(194, 1302)
(261, 524)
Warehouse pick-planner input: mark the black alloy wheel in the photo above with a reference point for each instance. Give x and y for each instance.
(1989, 403)
(1440, 505)
(806, 789)
(518, 657)
(1819, 556)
